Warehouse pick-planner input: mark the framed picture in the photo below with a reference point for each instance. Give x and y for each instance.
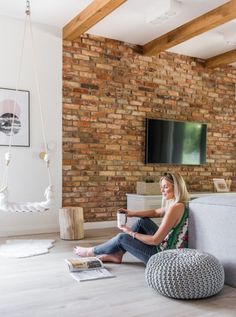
(220, 185)
(14, 117)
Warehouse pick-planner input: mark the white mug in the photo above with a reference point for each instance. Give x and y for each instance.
(121, 218)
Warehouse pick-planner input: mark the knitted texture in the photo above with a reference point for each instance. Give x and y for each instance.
(185, 274)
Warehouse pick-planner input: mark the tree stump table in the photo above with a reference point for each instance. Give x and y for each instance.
(71, 220)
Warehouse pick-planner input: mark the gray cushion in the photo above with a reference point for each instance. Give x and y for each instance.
(185, 274)
(218, 200)
(212, 223)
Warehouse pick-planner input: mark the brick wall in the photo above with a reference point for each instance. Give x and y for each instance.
(108, 90)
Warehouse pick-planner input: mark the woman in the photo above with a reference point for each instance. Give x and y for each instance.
(145, 238)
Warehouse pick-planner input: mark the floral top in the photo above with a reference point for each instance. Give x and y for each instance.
(178, 236)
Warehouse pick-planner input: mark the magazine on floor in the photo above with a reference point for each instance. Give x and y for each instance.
(85, 269)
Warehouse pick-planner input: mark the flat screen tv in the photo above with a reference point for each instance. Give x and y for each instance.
(175, 142)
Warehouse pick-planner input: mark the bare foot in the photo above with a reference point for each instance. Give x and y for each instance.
(113, 257)
(84, 252)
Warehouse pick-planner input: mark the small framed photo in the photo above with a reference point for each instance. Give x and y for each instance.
(220, 185)
(14, 117)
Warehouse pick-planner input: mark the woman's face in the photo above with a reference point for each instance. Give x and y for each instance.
(167, 189)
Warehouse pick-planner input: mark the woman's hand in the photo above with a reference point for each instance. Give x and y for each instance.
(126, 211)
(126, 229)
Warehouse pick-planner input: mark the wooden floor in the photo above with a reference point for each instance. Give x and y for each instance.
(42, 286)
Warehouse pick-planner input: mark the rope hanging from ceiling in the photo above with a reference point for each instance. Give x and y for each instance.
(5, 205)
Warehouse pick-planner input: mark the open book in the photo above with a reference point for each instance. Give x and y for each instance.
(85, 269)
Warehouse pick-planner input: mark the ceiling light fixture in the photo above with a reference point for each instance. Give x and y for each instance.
(166, 10)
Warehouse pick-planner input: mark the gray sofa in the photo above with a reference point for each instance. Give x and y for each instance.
(212, 229)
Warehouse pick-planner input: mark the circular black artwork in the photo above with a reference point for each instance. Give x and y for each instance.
(6, 121)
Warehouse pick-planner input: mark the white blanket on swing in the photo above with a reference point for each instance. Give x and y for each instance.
(5, 205)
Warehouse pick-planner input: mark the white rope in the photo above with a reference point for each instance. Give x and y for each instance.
(26, 207)
(36, 77)
(8, 154)
(33, 206)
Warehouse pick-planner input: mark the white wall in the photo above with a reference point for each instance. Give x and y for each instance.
(28, 175)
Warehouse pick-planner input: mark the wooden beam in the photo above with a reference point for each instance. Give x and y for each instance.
(222, 59)
(92, 14)
(197, 26)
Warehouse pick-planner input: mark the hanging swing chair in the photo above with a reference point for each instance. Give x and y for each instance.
(5, 205)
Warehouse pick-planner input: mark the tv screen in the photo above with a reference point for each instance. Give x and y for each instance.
(175, 142)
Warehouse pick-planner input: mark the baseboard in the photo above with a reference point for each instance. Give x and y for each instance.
(100, 225)
(53, 229)
(28, 231)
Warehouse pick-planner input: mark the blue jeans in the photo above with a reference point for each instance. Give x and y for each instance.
(124, 242)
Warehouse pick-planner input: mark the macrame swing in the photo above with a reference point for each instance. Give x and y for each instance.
(5, 205)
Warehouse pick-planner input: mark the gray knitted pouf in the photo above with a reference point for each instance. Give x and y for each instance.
(185, 274)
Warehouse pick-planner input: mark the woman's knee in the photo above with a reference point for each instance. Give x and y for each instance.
(141, 222)
(145, 226)
(120, 236)
(123, 238)
(138, 223)
(144, 220)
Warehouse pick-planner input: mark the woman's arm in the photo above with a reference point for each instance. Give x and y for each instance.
(152, 213)
(169, 221)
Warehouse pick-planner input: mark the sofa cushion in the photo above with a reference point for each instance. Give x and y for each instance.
(212, 228)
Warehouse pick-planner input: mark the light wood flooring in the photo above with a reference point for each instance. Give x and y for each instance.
(42, 286)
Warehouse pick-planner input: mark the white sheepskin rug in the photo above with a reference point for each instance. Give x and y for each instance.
(25, 248)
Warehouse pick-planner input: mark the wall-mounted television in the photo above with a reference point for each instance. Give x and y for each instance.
(175, 142)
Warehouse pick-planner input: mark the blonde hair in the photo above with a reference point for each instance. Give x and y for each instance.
(180, 189)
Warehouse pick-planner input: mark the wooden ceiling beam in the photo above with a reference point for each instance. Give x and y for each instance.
(197, 26)
(222, 59)
(92, 14)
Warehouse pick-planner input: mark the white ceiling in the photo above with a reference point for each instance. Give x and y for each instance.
(129, 22)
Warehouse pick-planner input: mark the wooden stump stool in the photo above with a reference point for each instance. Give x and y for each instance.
(71, 220)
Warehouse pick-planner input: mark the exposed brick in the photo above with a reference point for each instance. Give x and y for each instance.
(108, 90)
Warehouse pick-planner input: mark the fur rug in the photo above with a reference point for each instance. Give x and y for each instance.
(25, 248)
